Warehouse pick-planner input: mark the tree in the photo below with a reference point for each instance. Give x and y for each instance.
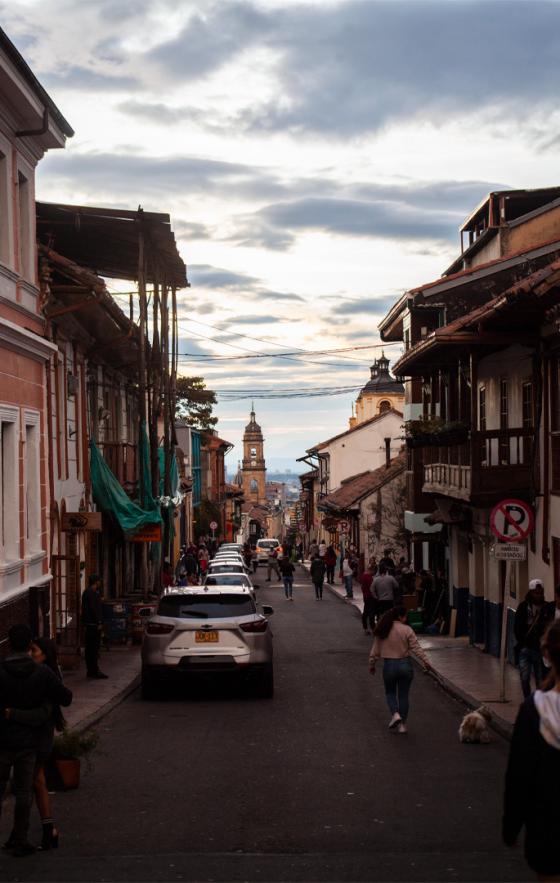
(195, 403)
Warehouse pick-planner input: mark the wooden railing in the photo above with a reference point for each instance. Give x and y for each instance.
(122, 460)
(492, 462)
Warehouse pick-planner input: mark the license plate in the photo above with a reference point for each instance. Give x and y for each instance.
(206, 637)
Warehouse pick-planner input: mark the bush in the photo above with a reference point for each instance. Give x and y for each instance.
(72, 744)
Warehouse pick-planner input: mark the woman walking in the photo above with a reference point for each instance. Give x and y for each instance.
(347, 577)
(394, 642)
(533, 772)
(330, 563)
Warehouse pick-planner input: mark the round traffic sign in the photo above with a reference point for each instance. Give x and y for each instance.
(213, 525)
(512, 521)
(343, 526)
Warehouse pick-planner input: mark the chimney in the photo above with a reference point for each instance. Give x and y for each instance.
(387, 452)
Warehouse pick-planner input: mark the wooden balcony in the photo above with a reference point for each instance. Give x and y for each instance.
(122, 460)
(493, 464)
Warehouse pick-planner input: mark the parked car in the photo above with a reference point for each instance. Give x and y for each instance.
(264, 547)
(202, 629)
(225, 567)
(229, 579)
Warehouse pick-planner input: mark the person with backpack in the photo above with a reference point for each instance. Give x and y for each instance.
(287, 571)
(393, 643)
(317, 571)
(529, 625)
(330, 563)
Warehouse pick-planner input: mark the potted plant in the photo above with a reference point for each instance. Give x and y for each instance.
(69, 747)
(433, 431)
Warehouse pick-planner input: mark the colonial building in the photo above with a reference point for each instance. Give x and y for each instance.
(30, 124)
(253, 469)
(381, 393)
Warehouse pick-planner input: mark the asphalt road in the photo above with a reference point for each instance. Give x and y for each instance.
(213, 785)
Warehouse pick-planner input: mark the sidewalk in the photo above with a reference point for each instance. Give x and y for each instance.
(462, 670)
(93, 699)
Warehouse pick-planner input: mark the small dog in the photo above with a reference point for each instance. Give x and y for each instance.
(474, 726)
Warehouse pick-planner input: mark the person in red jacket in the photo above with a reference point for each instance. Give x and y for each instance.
(330, 563)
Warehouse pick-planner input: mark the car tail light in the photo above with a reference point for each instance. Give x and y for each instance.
(260, 625)
(159, 628)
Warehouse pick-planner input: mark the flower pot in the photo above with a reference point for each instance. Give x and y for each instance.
(69, 769)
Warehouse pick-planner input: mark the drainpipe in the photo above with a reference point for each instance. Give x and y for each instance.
(26, 133)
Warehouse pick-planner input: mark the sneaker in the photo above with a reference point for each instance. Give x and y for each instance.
(402, 728)
(395, 721)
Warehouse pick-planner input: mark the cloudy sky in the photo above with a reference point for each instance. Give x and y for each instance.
(316, 158)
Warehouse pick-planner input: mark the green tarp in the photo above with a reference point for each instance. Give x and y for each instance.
(173, 474)
(111, 497)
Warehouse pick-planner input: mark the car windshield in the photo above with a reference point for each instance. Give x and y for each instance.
(225, 568)
(228, 579)
(219, 606)
(268, 544)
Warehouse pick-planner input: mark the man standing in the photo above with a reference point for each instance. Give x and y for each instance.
(272, 564)
(529, 625)
(385, 588)
(368, 615)
(317, 571)
(25, 686)
(92, 620)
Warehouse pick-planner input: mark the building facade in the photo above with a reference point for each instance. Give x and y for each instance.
(253, 467)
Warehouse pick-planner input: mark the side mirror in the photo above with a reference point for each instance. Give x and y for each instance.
(267, 611)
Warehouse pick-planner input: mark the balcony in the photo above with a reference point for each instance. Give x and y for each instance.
(493, 464)
(122, 460)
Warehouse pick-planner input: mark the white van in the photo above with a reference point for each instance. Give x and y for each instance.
(264, 547)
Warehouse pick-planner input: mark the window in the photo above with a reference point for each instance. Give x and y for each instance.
(32, 491)
(9, 474)
(504, 422)
(384, 406)
(220, 606)
(24, 227)
(254, 486)
(253, 452)
(527, 405)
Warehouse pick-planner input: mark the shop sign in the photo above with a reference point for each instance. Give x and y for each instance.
(81, 521)
(149, 534)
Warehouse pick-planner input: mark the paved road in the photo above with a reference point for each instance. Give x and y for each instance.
(309, 786)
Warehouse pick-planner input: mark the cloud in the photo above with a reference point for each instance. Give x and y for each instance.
(206, 276)
(191, 230)
(87, 80)
(370, 306)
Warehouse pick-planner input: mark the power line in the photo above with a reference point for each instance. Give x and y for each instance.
(204, 357)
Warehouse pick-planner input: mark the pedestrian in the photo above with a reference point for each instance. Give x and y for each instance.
(330, 563)
(348, 576)
(92, 620)
(167, 578)
(529, 625)
(203, 559)
(385, 589)
(254, 559)
(273, 565)
(313, 549)
(387, 561)
(49, 718)
(26, 687)
(533, 772)
(322, 549)
(317, 571)
(370, 606)
(393, 643)
(552, 608)
(373, 565)
(299, 551)
(287, 570)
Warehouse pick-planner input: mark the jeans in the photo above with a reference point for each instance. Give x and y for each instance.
(397, 678)
(22, 761)
(330, 572)
(92, 645)
(348, 585)
(273, 566)
(530, 660)
(368, 616)
(288, 585)
(318, 589)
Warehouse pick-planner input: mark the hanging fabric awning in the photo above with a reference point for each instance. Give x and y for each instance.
(111, 497)
(176, 495)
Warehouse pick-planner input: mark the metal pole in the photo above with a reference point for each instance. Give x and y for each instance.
(503, 640)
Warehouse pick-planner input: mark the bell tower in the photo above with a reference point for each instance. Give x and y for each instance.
(253, 470)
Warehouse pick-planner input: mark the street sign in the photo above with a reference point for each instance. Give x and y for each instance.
(343, 526)
(511, 521)
(510, 552)
(81, 521)
(149, 534)
(213, 525)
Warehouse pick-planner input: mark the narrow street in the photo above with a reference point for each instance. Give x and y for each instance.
(308, 786)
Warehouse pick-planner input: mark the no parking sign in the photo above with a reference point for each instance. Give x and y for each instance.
(512, 521)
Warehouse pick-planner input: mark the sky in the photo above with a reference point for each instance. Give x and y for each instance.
(317, 159)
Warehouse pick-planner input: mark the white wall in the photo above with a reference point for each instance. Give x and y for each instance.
(363, 448)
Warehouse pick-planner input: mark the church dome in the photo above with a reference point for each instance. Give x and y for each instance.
(381, 380)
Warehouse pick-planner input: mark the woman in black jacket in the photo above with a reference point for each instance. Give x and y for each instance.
(533, 772)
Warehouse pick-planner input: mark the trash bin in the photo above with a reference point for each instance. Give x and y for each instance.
(115, 622)
(415, 620)
(139, 616)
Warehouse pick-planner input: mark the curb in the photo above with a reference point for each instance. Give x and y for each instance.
(106, 709)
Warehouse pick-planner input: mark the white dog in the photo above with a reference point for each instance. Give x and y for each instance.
(474, 726)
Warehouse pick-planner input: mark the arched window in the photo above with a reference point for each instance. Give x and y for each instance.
(384, 406)
(254, 486)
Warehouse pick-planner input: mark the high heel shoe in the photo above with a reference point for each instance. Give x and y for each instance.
(50, 837)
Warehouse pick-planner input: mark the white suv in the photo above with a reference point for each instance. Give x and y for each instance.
(202, 629)
(265, 547)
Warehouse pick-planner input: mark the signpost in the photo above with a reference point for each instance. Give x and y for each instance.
(213, 527)
(511, 521)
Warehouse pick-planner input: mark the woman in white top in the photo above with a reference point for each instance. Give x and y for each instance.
(348, 577)
(394, 642)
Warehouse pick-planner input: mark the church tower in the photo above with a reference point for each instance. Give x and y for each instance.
(253, 469)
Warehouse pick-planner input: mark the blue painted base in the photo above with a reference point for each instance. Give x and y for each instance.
(461, 605)
(485, 626)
